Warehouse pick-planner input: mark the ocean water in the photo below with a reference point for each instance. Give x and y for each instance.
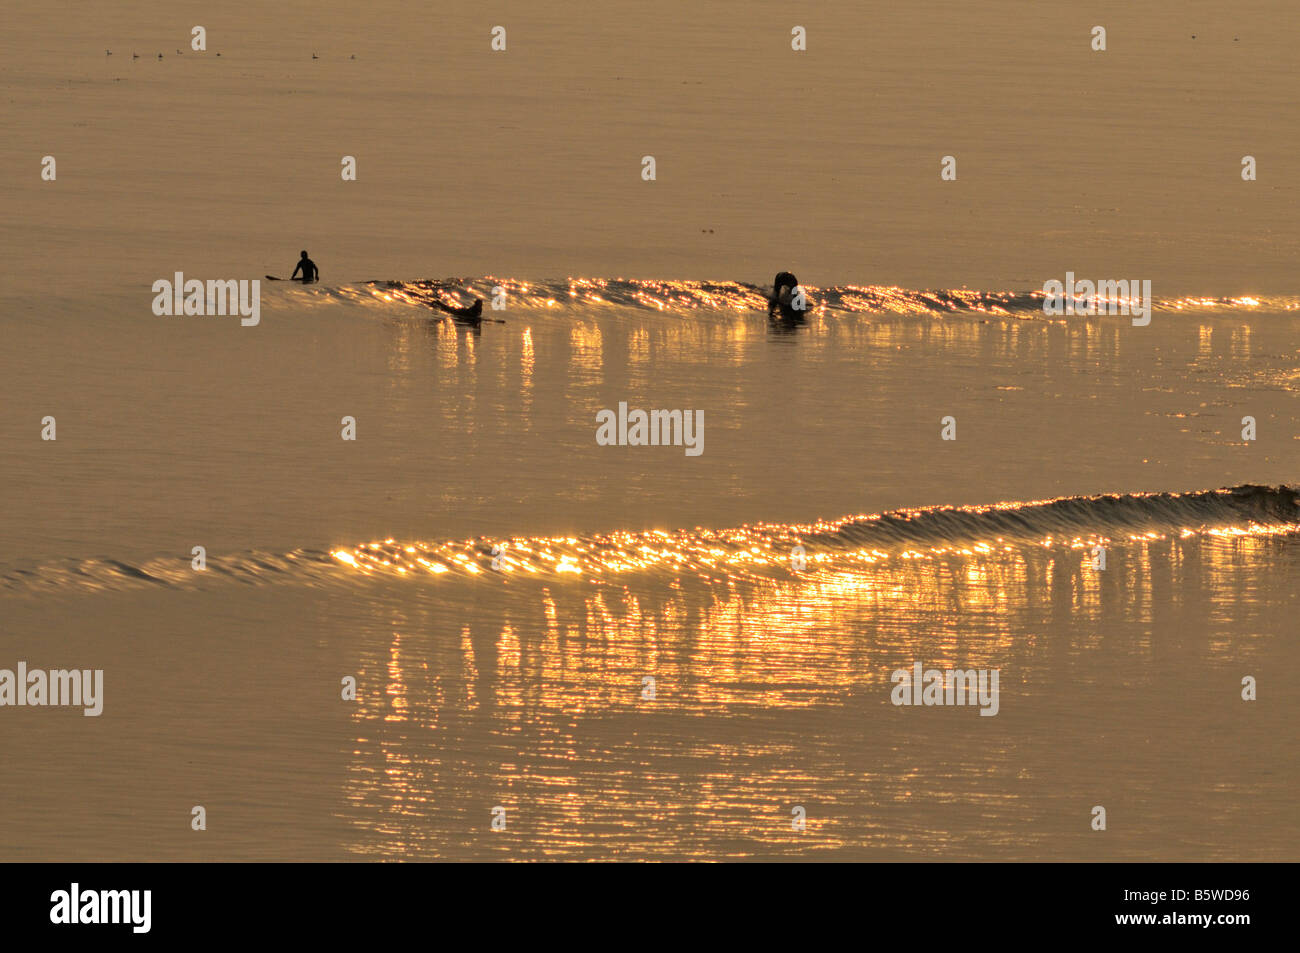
(501, 586)
(528, 163)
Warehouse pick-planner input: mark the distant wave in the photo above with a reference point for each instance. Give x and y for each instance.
(1067, 523)
(685, 297)
(106, 574)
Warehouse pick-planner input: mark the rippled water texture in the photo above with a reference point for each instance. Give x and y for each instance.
(632, 651)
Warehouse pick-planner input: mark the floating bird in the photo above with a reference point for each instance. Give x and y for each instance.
(354, 56)
(315, 57)
(159, 56)
(135, 56)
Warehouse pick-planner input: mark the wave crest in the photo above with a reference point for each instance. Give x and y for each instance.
(686, 297)
(1067, 523)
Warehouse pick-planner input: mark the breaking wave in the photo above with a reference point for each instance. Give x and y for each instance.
(686, 297)
(1071, 523)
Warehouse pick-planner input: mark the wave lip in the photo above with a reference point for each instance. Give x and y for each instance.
(1109, 516)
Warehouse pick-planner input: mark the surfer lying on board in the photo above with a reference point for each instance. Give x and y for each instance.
(470, 315)
(309, 270)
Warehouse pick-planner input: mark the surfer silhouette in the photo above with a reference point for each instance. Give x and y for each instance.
(780, 304)
(308, 267)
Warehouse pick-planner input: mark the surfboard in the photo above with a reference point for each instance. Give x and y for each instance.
(300, 280)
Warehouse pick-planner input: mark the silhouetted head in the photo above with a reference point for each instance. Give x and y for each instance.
(304, 254)
(784, 279)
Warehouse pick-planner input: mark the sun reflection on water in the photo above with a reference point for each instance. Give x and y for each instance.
(770, 690)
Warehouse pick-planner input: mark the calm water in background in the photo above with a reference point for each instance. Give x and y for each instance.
(1117, 688)
(527, 163)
